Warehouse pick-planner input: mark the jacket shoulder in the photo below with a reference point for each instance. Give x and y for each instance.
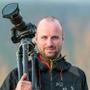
(10, 81)
(77, 71)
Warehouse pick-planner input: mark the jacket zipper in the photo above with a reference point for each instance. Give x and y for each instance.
(51, 65)
(61, 80)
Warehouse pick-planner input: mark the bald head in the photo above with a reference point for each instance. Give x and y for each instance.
(49, 19)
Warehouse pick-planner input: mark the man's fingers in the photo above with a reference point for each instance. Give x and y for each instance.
(24, 77)
(23, 84)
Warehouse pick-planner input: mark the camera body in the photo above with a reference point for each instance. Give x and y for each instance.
(20, 29)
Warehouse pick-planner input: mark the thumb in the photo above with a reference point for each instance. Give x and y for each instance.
(24, 77)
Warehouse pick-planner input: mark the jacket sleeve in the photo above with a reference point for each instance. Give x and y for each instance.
(10, 82)
(6, 84)
(84, 83)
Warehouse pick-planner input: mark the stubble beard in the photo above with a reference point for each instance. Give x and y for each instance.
(54, 56)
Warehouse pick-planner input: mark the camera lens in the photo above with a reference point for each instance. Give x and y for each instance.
(11, 11)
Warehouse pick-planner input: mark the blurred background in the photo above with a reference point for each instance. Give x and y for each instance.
(75, 18)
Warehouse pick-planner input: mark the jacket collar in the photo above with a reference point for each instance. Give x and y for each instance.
(58, 64)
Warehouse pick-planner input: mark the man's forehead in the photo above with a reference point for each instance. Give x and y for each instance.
(46, 23)
(49, 30)
(43, 21)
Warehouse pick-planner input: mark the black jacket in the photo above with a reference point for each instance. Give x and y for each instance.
(63, 76)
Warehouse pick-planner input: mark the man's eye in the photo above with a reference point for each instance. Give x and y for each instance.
(55, 37)
(44, 37)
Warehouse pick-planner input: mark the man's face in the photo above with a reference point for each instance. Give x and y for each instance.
(49, 39)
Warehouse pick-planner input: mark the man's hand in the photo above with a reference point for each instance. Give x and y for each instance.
(23, 84)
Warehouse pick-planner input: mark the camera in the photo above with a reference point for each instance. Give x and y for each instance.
(20, 29)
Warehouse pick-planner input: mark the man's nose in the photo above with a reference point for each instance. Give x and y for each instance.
(49, 42)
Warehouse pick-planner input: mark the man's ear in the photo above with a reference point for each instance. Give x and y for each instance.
(62, 35)
(34, 40)
(63, 38)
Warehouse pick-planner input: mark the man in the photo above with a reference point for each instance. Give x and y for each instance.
(54, 72)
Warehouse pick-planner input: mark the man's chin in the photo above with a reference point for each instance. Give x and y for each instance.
(50, 56)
